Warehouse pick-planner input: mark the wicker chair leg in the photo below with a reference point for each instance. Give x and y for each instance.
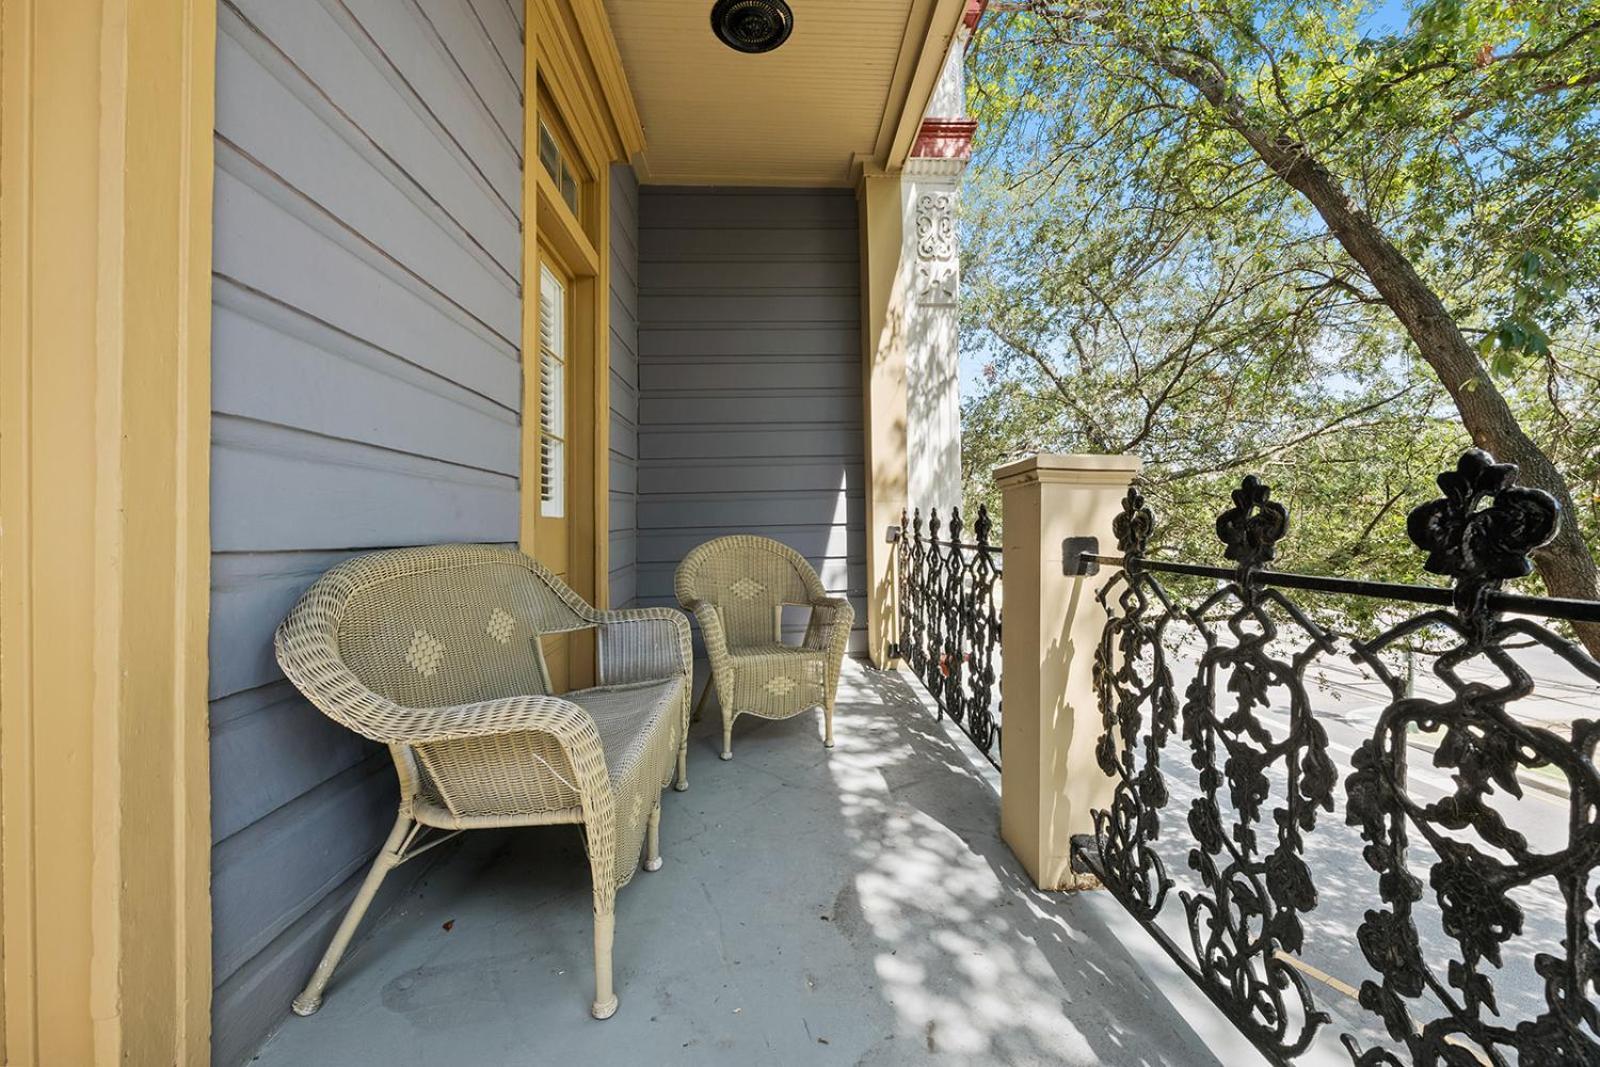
(605, 997)
(827, 724)
(727, 736)
(310, 998)
(652, 844)
(682, 781)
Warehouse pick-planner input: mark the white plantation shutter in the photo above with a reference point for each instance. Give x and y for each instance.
(552, 395)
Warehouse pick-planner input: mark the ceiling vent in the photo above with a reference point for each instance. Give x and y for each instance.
(752, 25)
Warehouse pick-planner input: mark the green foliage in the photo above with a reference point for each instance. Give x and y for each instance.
(1136, 278)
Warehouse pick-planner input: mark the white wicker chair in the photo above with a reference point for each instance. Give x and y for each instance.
(435, 652)
(736, 587)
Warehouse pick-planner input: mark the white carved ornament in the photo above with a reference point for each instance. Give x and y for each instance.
(936, 226)
(937, 269)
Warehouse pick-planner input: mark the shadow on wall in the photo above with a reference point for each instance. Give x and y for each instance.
(933, 411)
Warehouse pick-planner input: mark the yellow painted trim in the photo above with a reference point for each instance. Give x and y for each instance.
(601, 45)
(918, 82)
(106, 119)
(563, 37)
(583, 69)
(884, 285)
(561, 228)
(528, 496)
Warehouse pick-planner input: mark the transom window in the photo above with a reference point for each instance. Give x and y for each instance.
(554, 159)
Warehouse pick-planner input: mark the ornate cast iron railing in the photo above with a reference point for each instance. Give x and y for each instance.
(949, 620)
(1264, 781)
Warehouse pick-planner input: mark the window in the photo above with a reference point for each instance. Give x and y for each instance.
(552, 395)
(555, 164)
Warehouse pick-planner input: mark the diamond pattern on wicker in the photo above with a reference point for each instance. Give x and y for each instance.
(501, 625)
(745, 589)
(425, 653)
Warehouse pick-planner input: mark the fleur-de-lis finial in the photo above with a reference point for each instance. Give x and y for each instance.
(1134, 525)
(981, 528)
(955, 525)
(1254, 525)
(1480, 547)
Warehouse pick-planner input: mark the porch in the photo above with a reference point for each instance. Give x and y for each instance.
(852, 906)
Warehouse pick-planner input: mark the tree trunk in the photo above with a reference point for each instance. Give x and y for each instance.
(1566, 564)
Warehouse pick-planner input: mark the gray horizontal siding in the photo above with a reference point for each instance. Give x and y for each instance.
(366, 394)
(749, 387)
(624, 354)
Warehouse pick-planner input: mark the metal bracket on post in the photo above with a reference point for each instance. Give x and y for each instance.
(892, 535)
(1077, 556)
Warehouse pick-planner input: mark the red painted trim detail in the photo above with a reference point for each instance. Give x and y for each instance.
(944, 139)
(973, 13)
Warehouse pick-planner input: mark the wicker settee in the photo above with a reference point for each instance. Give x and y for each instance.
(435, 652)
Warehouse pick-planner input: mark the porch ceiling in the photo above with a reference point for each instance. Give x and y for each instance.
(848, 88)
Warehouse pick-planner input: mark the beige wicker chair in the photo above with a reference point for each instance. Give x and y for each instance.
(435, 652)
(736, 587)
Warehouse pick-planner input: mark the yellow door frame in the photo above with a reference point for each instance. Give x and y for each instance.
(105, 302)
(573, 77)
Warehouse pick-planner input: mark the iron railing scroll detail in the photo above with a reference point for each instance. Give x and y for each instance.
(949, 619)
(1264, 780)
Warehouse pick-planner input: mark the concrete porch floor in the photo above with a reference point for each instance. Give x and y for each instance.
(852, 906)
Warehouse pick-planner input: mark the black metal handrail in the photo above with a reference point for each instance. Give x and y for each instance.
(1261, 776)
(949, 620)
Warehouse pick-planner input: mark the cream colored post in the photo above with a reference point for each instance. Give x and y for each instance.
(885, 288)
(310, 998)
(652, 848)
(605, 997)
(1050, 781)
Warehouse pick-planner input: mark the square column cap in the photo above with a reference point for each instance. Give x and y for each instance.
(1069, 469)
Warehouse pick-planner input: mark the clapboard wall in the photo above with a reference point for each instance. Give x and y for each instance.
(624, 385)
(366, 394)
(750, 410)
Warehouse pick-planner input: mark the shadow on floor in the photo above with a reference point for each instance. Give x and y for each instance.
(847, 907)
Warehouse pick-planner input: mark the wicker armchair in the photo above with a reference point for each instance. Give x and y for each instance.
(737, 587)
(435, 652)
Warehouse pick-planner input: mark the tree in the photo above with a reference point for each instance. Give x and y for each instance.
(1357, 221)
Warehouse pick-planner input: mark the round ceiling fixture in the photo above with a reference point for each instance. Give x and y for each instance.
(752, 25)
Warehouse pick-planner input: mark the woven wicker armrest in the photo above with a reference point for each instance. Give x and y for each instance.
(643, 644)
(832, 618)
(710, 620)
